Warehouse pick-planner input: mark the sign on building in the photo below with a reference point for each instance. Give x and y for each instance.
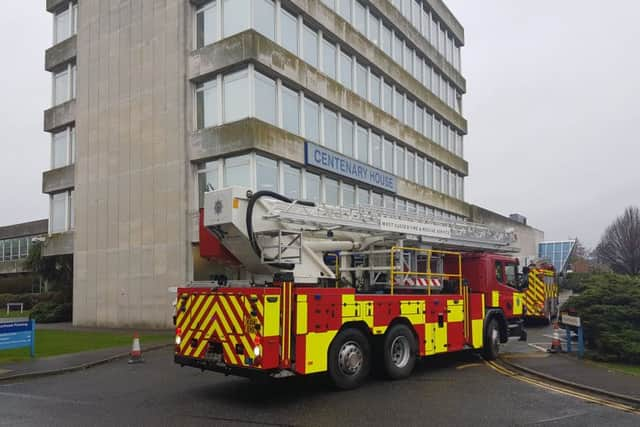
(419, 229)
(330, 161)
(18, 334)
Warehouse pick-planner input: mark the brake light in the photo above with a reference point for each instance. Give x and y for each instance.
(178, 336)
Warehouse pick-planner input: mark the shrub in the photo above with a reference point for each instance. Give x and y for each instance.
(51, 312)
(609, 306)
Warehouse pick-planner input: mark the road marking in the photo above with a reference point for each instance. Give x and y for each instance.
(468, 365)
(551, 336)
(562, 390)
(537, 346)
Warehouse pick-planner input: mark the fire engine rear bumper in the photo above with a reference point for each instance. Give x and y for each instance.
(209, 365)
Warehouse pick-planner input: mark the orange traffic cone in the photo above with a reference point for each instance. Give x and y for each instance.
(556, 345)
(136, 352)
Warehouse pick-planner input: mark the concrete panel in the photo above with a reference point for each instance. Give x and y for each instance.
(528, 237)
(61, 53)
(32, 228)
(60, 116)
(59, 179)
(56, 5)
(447, 17)
(131, 168)
(58, 244)
(272, 59)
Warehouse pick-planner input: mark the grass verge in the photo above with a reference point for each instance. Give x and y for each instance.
(14, 314)
(56, 342)
(627, 369)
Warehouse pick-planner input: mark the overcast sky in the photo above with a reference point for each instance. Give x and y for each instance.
(553, 99)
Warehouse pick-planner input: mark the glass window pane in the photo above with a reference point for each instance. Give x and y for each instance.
(348, 196)
(207, 180)
(410, 113)
(330, 129)
(388, 156)
(386, 40)
(419, 120)
(361, 80)
(363, 197)
(207, 25)
(347, 137)
(331, 195)
(236, 14)
(429, 173)
(61, 26)
(266, 174)
(59, 149)
(388, 98)
(311, 120)
(346, 67)
(420, 171)
(363, 144)
(428, 126)
(399, 106)
(398, 47)
(236, 171)
(399, 170)
(290, 110)
(329, 59)
(376, 150)
(437, 172)
(236, 93)
(376, 200)
(310, 45)
(345, 10)
(411, 166)
(389, 203)
(359, 17)
(445, 136)
(375, 90)
(58, 212)
(408, 59)
(207, 104)
(264, 17)
(292, 183)
(312, 187)
(374, 29)
(265, 98)
(289, 30)
(61, 87)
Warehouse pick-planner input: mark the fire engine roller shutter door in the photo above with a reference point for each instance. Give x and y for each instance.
(455, 324)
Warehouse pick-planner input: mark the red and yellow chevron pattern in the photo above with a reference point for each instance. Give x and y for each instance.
(542, 287)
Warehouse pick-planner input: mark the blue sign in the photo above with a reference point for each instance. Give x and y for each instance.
(331, 161)
(18, 334)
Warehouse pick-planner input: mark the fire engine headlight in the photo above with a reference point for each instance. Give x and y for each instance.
(178, 339)
(257, 351)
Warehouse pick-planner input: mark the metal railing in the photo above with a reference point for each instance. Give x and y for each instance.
(427, 273)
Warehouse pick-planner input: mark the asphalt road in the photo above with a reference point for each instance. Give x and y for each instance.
(457, 390)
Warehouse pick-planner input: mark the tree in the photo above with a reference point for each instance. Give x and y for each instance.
(57, 270)
(619, 247)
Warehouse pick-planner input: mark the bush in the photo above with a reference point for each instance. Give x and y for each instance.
(609, 306)
(51, 312)
(30, 300)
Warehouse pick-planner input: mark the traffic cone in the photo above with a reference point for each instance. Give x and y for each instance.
(136, 352)
(556, 345)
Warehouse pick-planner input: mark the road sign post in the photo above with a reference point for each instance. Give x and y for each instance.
(570, 323)
(18, 334)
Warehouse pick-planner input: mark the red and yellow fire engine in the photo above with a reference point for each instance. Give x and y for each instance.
(324, 289)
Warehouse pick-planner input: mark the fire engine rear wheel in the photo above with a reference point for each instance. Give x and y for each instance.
(399, 352)
(491, 346)
(349, 359)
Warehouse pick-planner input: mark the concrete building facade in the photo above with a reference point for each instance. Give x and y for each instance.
(156, 100)
(15, 242)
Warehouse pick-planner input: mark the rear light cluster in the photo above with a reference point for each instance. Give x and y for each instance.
(178, 336)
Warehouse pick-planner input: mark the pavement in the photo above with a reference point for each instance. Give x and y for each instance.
(454, 390)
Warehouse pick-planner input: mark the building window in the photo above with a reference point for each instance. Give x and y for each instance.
(345, 10)
(445, 181)
(363, 144)
(63, 148)
(411, 167)
(420, 171)
(398, 46)
(60, 212)
(236, 94)
(376, 150)
(207, 104)
(64, 85)
(399, 104)
(330, 129)
(399, 170)
(329, 59)
(331, 192)
(289, 31)
(265, 98)
(266, 174)
(389, 203)
(363, 197)
(313, 190)
(419, 120)
(208, 180)
(386, 40)
(264, 17)
(429, 173)
(346, 67)
(65, 23)
(347, 137)
(348, 195)
(235, 171)
(388, 98)
(207, 25)
(235, 16)
(361, 80)
(428, 127)
(376, 200)
(310, 46)
(311, 120)
(290, 110)
(437, 172)
(375, 90)
(360, 15)
(292, 182)
(374, 29)
(410, 113)
(388, 156)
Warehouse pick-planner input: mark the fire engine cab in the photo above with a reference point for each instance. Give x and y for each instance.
(324, 289)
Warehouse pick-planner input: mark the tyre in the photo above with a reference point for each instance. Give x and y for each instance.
(349, 359)
(491, 347)
(399, 352)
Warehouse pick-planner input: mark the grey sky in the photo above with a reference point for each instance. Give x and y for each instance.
(553, 96)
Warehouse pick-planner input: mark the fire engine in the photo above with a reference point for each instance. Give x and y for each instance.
(338, 290)
(540, 291)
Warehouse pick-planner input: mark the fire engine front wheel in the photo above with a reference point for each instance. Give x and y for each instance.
(349, 359)
(491, 346)
(400, 349)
